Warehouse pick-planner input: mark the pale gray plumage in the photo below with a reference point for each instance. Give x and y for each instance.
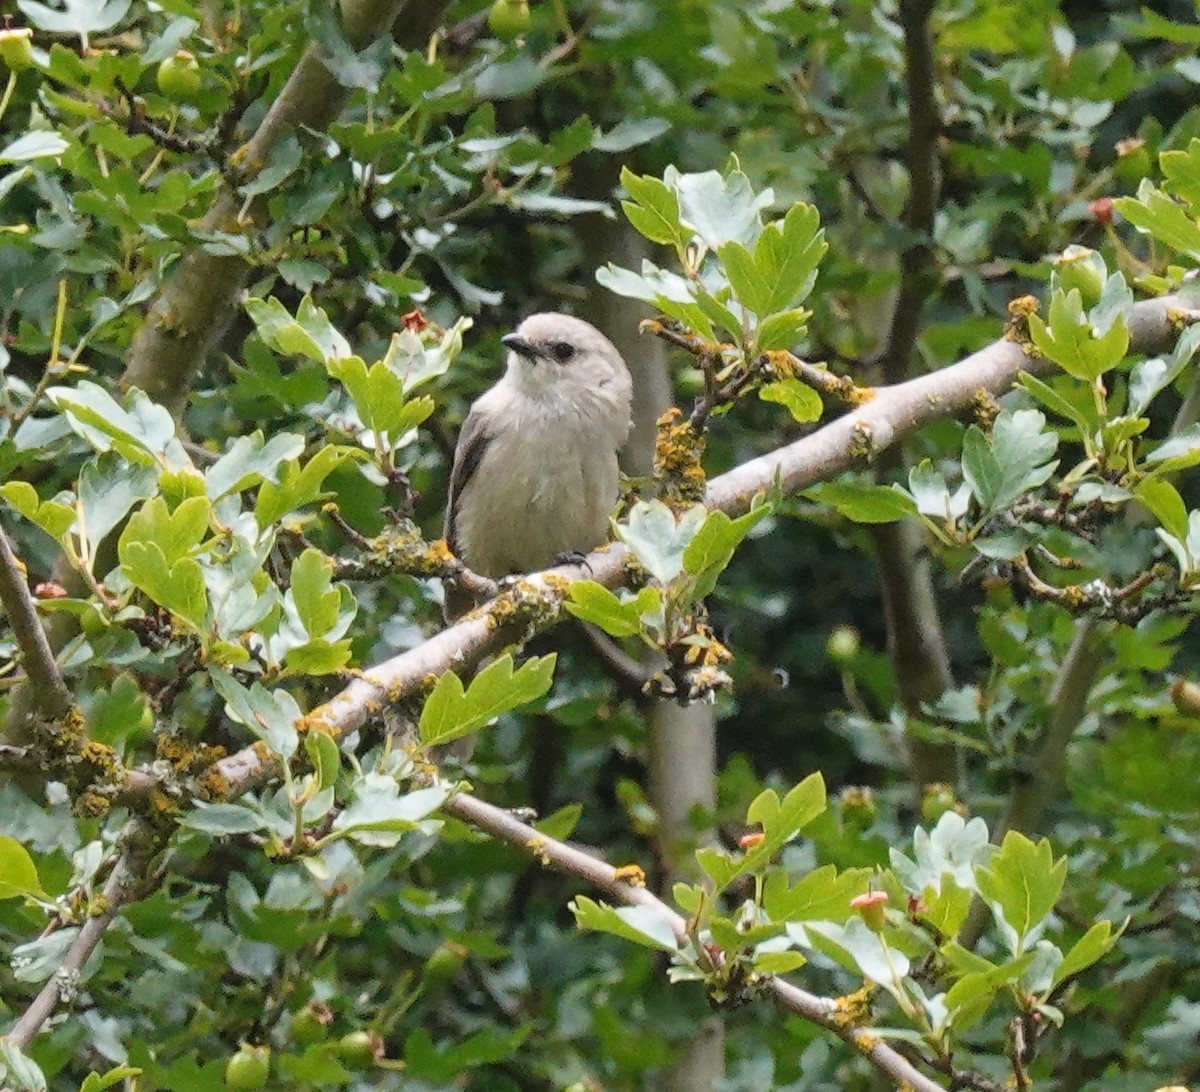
(535, 470)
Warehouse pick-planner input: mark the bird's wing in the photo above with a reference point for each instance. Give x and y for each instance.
(473, 442)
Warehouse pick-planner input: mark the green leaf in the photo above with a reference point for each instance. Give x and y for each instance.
(711, 549)
(1178, 452)
(318, 656)
(80, 17)
(220, 820)
(176, 534)
(1093, 945)
(325, 755)
(317, 603)
(442, 1063)
(40, 144)
(18, 873)
(380, 814)
(719, 210)
(20, 1070)
(969, 998)
(561, 824)
(1070, 341)
(782, 330)
(269, 714)
(1163, 501)
(297, 485)
(981, 471)
(142, 433)
(1022, 882)
(863, 502)
(946, 908)
(309, 334)
(781, 270)
(177, 587)
(108, 488)
(1084, 415)
(859, 948)
(94, 1082)
(639, 924)
(1154, 212)
(653, 210)
(378, 396)
(594, 603)
(251, 460)
(657, 540)
(775, 962)
(53, 517)
(822, 895)
(780, 820)
(802, 402)
(450, 712)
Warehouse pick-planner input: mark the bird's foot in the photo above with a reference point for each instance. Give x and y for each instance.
(571, 557)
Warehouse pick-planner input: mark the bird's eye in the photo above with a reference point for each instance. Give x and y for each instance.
(562, 351)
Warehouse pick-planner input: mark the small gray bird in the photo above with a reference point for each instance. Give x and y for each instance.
(535, 470)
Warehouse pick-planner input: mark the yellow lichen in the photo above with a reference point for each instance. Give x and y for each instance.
(212, 786)
(1017, 330)
(537, 847)
(92, 805)
(854, 1008)
(986, 408)
(631, 874)
(678, 454)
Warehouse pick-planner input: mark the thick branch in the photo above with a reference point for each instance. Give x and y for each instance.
(916, 647)
(891, 414)
(52, 699)
(198, 301)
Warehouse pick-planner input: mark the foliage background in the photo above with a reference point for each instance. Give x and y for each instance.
(488, 191)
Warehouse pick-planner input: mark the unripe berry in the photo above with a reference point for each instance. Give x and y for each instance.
(249, 1068)
(179, 76)
(16, 48)
(359, 1049)
(509, 19)
(843, 645)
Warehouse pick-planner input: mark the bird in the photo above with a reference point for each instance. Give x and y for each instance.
(535, 474)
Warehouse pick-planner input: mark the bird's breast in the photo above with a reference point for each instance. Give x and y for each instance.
(545, 487)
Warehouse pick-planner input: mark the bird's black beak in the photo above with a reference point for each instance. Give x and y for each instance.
(520, 346)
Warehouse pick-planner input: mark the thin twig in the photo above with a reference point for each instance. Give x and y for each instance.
(561, 857)
(121, 888)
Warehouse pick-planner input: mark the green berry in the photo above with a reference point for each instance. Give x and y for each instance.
(179, 76)
(248, 1068)
(937, 799)
(359, 1049)
(843, 645)
(445, 962)
(1081, 268)
(16, 48)
(509, 19)
(311, 1024)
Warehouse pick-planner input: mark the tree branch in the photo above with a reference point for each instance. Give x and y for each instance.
(121, 888)
(532, 604)
(52, 699)
(199, 299)
(916, 648)
(575, 862)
